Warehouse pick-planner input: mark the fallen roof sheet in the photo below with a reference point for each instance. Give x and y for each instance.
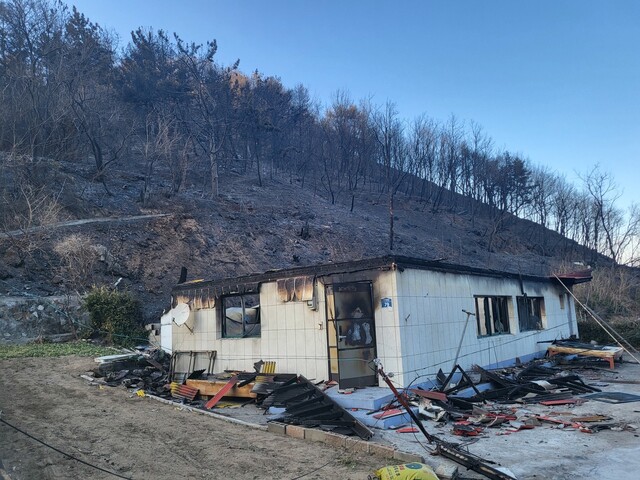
(309, 406)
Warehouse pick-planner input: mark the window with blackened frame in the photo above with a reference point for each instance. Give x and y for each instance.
(240, 316)
(531, 313)
(492, 315)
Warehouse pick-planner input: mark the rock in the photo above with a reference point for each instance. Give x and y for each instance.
(12, 258)
(447, 472)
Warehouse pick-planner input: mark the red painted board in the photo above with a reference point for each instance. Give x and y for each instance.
(567, 401)
(407, 430)
(223, 391)
(389, 413)
(431, 395)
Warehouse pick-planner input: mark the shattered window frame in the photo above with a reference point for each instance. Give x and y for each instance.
(240, 316)
(493, 315)
(532, 315)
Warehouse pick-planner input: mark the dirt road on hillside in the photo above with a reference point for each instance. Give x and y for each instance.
(85, 221)
(140, 438)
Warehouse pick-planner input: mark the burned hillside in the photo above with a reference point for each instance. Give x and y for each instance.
(247, 229)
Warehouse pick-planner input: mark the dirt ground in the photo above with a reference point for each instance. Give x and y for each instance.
(140, 438)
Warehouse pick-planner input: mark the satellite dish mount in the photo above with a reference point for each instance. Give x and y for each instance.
(180, 315)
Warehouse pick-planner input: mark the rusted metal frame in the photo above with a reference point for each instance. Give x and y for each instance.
(212, 360)
(468, 383)
(192, 362)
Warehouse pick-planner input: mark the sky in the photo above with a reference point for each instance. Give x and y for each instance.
(557, 81)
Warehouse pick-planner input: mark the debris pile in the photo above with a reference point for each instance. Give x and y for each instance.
(143, 370)
(507, 400)
(305, 404)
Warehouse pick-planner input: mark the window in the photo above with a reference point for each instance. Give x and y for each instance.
(241, 316)
(492, 315)
(531, 313)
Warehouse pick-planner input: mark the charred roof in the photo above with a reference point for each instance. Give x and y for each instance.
(389, 262)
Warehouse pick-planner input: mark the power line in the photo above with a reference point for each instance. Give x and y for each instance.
(64, 453)
(312, 471)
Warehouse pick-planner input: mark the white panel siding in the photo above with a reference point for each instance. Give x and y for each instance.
(432, 303)
(387, 321)
(290, 335)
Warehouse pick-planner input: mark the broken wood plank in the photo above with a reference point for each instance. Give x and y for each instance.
(567, 401)
(211, 388)
(223, 391)
(591, 418)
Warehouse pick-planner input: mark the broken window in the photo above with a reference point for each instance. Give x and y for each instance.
(531, 313)
(492, 315)
(241, 316)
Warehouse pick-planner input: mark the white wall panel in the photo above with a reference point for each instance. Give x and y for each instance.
(434, 302)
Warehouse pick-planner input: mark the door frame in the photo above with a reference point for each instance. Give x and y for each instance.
(362, 381)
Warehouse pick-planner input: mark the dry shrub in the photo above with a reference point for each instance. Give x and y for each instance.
(77, 260)
(613, 292)
(628, 328)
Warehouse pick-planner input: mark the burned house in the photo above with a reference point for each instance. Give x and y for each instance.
(331, 321)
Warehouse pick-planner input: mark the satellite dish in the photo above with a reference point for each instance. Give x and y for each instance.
(180, 313)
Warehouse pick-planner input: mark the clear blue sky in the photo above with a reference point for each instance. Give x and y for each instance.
(555, 80)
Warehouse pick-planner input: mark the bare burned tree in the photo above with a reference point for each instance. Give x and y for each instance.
(208, 86)
(392, 156)
(614, 232)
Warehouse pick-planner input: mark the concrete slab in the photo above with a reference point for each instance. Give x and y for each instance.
(383, 423)
(370, 398)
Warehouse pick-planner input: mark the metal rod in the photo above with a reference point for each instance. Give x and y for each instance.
(404, 403)
(445, 449)
(464, 331)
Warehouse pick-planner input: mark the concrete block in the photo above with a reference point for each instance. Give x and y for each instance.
(275, 427)
(383, 423)
(405, 457)
(315, 435)
(370, 398)
(356, 445)
(335, 440)
(385, 451)
(295, 431)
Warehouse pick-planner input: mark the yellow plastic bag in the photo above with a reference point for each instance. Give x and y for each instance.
(407, 471)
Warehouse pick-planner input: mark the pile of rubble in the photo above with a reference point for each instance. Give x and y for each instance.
(145, 370)
(504, 400)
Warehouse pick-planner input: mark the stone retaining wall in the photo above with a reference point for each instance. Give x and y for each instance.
(25, 319)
